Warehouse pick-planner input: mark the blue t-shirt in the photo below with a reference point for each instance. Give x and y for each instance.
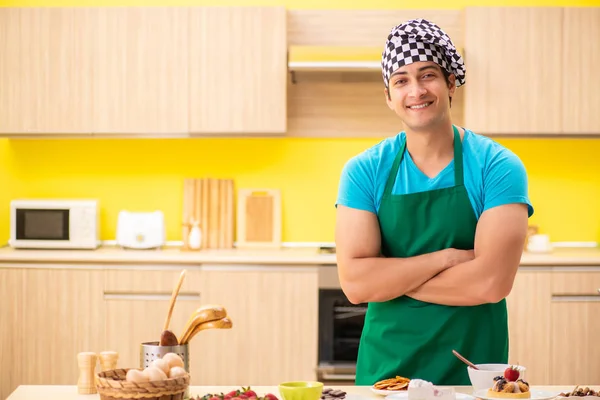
(493, 175)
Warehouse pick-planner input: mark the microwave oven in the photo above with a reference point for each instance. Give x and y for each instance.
(54, 224)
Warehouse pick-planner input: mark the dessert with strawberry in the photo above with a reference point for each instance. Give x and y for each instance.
(510, 386)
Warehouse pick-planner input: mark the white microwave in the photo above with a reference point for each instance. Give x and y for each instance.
(54, 224)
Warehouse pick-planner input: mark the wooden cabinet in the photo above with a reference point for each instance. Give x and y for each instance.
(528, 70)
(575, 328)
(513, 58)
(580, 55)
(46, 70)
(47, 316)
(274, 338)
(147, 71)
(238, 70)
(137, 303)
(529, 319)
(140, 75)
(554, 324)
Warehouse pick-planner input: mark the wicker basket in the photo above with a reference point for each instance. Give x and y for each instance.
(112, 385)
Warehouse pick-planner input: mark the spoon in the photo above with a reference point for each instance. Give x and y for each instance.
(168, 338)
(205, 313)
(461, 358)
(223, 323)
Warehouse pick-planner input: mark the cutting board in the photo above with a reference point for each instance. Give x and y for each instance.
(209, 201)
(258, 218)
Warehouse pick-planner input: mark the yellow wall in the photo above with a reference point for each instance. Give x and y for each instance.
(147, 174)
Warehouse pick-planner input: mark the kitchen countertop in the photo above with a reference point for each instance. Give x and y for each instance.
(284, 256)
(28, 392)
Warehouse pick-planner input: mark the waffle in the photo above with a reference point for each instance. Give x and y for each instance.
(397, 383)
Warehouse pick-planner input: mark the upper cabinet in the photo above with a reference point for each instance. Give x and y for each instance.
(238, 70)
(580, 80)
(140, 76)
(46, 70)
(513, 58)
(166, 71)
(529, 70)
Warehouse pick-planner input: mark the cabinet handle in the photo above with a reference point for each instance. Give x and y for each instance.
(564, 298)
(149, 296)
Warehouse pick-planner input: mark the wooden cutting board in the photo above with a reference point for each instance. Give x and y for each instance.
(209, 201)
(258, 218)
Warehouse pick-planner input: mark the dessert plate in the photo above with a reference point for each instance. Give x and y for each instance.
(383, 392)
(535, 394)
(404, 396)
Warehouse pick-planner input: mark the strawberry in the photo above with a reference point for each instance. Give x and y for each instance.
(511, 373)
(270, 396)
(250, 393)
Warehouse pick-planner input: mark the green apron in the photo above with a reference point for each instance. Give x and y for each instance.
(415, 339)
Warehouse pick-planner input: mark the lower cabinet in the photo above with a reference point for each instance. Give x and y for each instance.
(47, 316)
(137, 304)
(274, 311)
(554, 321)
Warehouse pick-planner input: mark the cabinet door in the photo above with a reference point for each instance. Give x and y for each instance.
(580, 81)
(238, 70)
(274, 311)
(513, 58)
(137, 303)
(575, 353)
(45, 70)
(141, 71)
(50, 316)
(529, 319)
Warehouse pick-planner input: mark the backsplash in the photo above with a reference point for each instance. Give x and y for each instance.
(147, 174)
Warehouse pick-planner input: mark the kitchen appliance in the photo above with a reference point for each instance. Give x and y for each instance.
(340, 327)
(54, 224)
(141, 230)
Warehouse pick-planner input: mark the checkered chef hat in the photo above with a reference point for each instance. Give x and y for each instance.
(420, 40)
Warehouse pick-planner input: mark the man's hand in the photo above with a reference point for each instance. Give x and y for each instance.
(455, 256)
(366, 276)
(488, 278)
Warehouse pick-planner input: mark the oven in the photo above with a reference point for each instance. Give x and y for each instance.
(340, 328)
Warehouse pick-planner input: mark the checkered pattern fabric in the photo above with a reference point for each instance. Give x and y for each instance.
(420, 40)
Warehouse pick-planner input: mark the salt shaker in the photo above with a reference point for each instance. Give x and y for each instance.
(87, 369)
(108, 360)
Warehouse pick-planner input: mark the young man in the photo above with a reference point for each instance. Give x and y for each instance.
(431, 225)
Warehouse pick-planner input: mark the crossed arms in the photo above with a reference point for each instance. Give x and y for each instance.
(450, 276)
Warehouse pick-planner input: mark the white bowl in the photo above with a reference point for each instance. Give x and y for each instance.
(483, 378)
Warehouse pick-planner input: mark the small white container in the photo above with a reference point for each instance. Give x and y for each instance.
(195, 237)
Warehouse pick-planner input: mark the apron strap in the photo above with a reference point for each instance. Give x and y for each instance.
(392, 176)
(458, 158)
(458, 164)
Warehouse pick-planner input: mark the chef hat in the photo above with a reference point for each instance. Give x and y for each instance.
(420, 40)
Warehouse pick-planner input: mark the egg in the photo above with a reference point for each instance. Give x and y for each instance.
(173, 359)
(176, 372)
(155, 374)
(136, 376)
(163, 365)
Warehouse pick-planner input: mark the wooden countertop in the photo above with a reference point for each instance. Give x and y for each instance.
(26, 392)
(283, 257)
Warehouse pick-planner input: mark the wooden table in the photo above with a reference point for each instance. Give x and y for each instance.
(37, 392)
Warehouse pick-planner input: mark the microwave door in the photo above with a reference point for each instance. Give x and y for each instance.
(42, 224)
